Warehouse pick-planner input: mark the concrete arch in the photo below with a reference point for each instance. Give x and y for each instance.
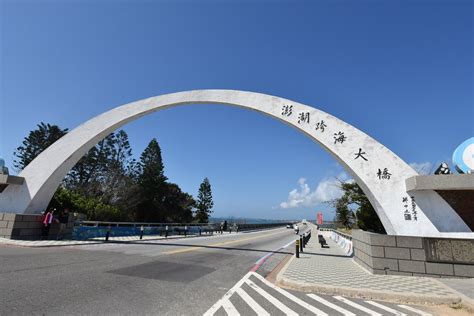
(379, 172)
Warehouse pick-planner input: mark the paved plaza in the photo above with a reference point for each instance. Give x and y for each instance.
(330, 270)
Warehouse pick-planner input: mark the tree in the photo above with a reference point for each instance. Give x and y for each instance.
(36, 141)
(118, 181)
(204, 202)
(354, 198)
(87, 174)
(152, 182)
(108, 184)
(92, 207)
(107, 172)
(344, 215)
(177, 204)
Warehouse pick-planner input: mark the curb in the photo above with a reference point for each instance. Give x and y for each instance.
(81, 242)
(466, 301)
(369, 294)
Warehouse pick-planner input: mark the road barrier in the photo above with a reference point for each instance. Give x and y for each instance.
(94, 229)
(301, 242)
(297, 253)
(344, 241)
(306, 237)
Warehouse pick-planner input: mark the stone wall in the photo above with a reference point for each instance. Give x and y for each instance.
(22, 226)
(414, 256)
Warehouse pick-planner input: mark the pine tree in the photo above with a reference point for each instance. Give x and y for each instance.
(152, 182)
(36, 141)
(204, 202)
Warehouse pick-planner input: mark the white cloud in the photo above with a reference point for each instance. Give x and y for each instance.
(328, 189)
(423, 168)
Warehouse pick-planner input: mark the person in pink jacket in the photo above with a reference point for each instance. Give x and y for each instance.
(48, 218)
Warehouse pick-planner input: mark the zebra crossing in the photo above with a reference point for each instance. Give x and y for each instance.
(253, 294)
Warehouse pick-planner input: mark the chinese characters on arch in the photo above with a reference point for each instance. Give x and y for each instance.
(409, 205)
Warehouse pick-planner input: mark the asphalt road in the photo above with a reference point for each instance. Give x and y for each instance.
(174, 277)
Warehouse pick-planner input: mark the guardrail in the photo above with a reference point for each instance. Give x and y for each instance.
(343, 240)
(94, 229)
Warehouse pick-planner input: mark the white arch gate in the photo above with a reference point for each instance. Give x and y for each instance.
(379, 172)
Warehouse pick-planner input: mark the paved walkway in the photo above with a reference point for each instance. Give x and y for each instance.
(97, 240)
(331, 271)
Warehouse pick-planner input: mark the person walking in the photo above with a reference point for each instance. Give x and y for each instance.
(63, 220)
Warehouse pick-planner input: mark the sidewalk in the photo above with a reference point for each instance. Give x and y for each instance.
(101, 240)
(331, 271)
(58, 243)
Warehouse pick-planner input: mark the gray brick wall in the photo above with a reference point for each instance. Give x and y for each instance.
(407, 255)
(18, 226)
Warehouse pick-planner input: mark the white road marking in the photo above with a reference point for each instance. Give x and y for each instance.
(252, 303)
(333, 306)
(211, 311)
(385, 308)
(414, 310)
(291, 296)
(229, 308)
(355, 305)
(271, 299)
(262, 260)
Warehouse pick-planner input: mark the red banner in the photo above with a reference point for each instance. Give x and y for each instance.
(319, 217)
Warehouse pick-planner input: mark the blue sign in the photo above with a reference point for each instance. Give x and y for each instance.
(463, 157)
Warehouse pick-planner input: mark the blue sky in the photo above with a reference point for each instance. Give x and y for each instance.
(402, 71)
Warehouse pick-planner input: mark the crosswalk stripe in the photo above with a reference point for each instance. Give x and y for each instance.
(414, 310)
(271, 299)
(229, 308)
(355, 305)
(291, 296)
(211, 311)
(385, 308)
(252, 303)
(333, 306)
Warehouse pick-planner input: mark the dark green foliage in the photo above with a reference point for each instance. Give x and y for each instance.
(151, 167)
(107, 184)
(92, 207)
(204, 202)
(354, 198)
(107, 173)
(152, 182)
(367, 219)
(36, 141)
(344, 215)
(178, 205)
